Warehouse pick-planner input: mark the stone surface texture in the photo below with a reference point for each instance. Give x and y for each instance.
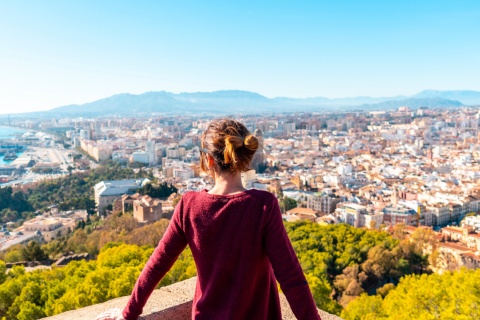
(173, 302)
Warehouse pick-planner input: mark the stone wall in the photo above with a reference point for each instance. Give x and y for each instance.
(173, 302)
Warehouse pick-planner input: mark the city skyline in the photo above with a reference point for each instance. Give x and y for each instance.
(57, 53)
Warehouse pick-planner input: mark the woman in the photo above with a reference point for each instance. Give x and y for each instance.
(237, 239)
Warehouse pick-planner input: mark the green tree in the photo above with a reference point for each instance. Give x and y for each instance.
(3, 272)
(14, 255)
(453, 295)
(287, 203)
(321, 291)
(29, 311)
(176, 200)
(33, 252)
(364, 307)
(163, 190)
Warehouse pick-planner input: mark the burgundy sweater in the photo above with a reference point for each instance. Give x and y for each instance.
(240, 248)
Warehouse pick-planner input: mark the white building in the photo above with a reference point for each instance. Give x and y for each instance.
(248, 177)
(85, 134)
(107, 191)
(140, 156)
(352, 214)
(183, 173)
(374, 220)
(440, 214)
(473, 221)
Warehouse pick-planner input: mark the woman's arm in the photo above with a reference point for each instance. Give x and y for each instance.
(169, 248)
(286, 267)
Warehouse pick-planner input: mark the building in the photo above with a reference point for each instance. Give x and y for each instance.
(152, 154)
(175, 152)
(247, 178)
(85, 135)
(144, 207)
(147, 209)
(374, 220)
(148, 157)
(167, 171)
(183, 173)
(141, 157)
(352, 214)
(302, 214)
(395, 214)
(456, 211)
(473, 221)
(259, 155)
(8, 239)
(101, 153)
(106, 192)
(324, 203)
(51, 227)
(440, 214)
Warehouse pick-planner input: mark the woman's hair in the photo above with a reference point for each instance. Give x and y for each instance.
(231, 145)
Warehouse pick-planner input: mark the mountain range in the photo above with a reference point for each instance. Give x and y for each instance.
(236, 101)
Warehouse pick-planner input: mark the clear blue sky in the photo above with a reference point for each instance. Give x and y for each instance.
(54, 53)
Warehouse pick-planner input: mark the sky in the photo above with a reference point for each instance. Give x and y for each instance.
(55, 53)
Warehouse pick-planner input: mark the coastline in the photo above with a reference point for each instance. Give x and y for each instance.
(12, 128)
(7, 133)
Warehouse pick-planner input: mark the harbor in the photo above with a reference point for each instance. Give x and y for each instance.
(10, 149)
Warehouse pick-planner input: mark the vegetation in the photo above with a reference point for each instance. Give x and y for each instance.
(115, 228)
(357, 273)
(287, 203)
(33, 252)
(163, 190)
(33, 295)
(74, 191)
(340, 262)
(453, 295)
(13, 206)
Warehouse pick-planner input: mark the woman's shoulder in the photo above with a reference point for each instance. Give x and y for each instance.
(260, 197)
(250, 193)
(262, 194)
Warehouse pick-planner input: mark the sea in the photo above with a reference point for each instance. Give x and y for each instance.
(8, 133)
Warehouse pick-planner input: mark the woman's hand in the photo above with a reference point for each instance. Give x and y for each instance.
(112, 314)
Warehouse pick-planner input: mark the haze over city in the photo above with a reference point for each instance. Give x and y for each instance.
(58, 53)
(330, 149)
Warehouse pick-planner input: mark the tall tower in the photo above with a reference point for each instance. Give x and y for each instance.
(429, 154)
(259, 155)
(150, 150)
(394, 198)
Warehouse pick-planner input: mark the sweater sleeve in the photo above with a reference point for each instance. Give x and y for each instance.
(166, 253)
(286, 266)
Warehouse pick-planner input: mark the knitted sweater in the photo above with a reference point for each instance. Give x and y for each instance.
(240, 248)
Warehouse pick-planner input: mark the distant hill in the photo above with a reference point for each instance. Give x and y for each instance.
(166, 102)
(467, 97)
(237, 101)
(413, 103)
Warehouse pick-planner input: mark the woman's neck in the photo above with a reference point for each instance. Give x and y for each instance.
(227, 184)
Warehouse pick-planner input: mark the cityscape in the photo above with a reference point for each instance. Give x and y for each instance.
(414, 169)
(367, 118)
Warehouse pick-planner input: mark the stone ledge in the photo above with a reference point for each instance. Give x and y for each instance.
(173, 302)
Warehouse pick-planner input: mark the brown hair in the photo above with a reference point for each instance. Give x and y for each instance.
(231, 145)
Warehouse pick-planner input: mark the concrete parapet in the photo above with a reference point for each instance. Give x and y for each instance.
(173, 302)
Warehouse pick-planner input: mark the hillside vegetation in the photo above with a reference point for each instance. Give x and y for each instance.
(340, 262)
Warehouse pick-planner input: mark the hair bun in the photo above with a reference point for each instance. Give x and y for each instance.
(251, 142)
(230, 144)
